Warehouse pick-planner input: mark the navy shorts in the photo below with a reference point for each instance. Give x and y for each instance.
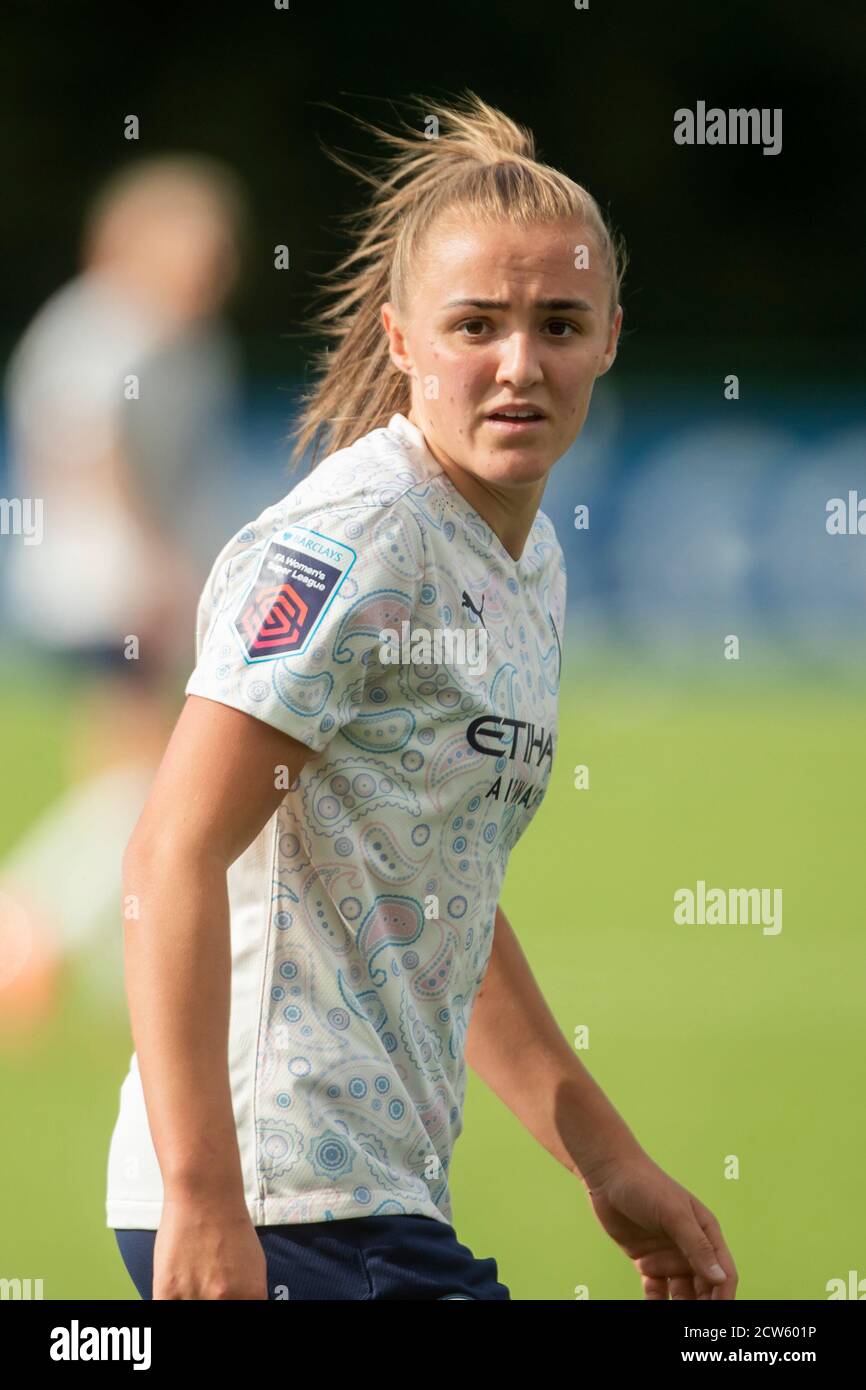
(96, 660)
(363, 1257)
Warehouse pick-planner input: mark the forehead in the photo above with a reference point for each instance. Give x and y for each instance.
(482, 256)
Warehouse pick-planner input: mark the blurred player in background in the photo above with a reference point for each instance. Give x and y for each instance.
(117, 396)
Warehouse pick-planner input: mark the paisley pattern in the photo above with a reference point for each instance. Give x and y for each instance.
(362, 915)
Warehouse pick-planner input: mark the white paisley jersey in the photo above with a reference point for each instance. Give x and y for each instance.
(362, 915)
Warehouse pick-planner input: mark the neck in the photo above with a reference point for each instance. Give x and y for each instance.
(509, 512)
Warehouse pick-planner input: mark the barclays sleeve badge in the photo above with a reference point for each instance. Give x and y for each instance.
(297, 580)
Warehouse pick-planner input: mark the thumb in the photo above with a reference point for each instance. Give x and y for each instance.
(696, 1246)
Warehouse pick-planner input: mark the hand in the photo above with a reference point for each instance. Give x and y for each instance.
(667, 1232)
(206, 1251)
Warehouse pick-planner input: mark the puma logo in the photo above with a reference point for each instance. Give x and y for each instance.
(467, 603)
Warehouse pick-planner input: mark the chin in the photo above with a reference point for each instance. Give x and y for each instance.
(516, 465)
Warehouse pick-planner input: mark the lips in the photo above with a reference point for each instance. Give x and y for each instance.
(516, 413)
(516, 426)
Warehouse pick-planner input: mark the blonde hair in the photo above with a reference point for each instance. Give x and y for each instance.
(480, 162)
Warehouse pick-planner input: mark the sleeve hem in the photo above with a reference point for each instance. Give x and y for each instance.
(308, 736)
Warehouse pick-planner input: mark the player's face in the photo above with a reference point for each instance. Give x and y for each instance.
(498, 315)
(184, 260)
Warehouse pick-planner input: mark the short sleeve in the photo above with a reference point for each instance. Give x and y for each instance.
(294, 611)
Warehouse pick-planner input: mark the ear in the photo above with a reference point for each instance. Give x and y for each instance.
(609, 356)
(398, 350)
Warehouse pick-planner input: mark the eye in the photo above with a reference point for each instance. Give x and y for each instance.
(564, 323)
(467, 323)
(474, 328)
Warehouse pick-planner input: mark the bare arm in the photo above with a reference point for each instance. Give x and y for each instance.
(215, 789)
(517, 1048)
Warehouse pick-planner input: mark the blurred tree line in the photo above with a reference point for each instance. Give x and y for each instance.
(738, 261)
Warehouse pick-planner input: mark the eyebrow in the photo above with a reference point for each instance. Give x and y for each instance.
(579, 304)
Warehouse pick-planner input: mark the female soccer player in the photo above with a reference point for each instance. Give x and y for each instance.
(314, 947)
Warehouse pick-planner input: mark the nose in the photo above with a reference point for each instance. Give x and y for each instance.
(519, 362)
